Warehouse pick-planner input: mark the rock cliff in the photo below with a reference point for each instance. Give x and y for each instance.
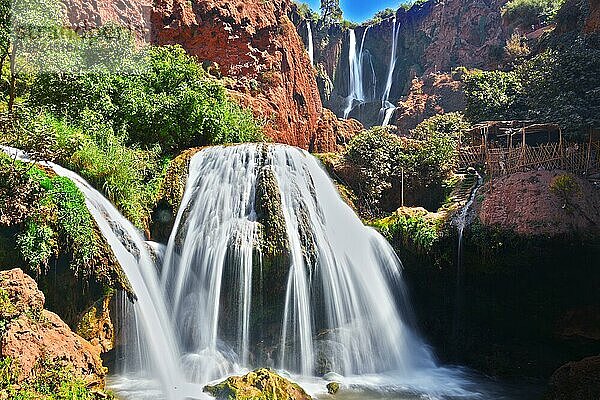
(252, 43)
(433, 36)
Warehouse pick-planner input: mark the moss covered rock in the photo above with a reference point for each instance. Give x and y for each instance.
(333, 387)
(261, 384)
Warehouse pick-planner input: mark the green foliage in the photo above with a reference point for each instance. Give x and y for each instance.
(381, 15)
(37, 244)
(565, 187)
(414, 231)
(305, 12)
(168, 100)
(128, 175)
(383, 158)
(49, 381)
(560, 85)
(531, 12)
(407, 5)
(493, 95)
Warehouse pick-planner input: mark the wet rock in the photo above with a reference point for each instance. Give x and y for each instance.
(261, 384)
(333, 387)
(578, 380)
(31, 334)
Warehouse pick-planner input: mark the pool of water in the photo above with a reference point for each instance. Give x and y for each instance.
(445, 383)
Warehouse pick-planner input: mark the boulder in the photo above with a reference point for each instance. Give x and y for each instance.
(33, 336)
(579, 380)
(261, 384)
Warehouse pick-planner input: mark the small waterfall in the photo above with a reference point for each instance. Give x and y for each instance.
(461, 221)
(355, 61)
(311, 51)
(159, 356)
(387, 108)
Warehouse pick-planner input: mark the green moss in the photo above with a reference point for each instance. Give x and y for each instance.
(333, 387)
(261, 384)
(416, 230)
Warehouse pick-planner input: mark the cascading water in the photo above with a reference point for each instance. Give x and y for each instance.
(387, 108)
(461, 221)
(311, 51)
(160, 356)
(355, 61)
(335, 301)
(341, 290)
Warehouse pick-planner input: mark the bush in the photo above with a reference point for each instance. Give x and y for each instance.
(425, 160)
(565, 187)
(493, 95)
(167, 99)
(531, 12)
(560, 85)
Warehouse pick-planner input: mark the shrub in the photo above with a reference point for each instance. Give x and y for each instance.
(565, 187)
(423, 162)
(531, 12)
(493, 95)
(167, 99)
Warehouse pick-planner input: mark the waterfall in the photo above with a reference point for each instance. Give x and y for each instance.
(461, 221)
(342, 281)
(387, 108)
(214, 303)
(355, 63)
(133, 256)
(390, 77)
(311, 51)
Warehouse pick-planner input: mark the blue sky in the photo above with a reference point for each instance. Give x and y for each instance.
(359, 10)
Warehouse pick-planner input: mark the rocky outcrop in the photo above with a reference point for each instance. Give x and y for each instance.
(433, 36)
(261, 384)
(251, 42)
(592, 23)
(428, 96)
(34, 337)
(533, 204)
(333, 133)
(578, 380)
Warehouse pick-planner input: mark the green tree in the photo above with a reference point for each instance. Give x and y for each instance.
(331, 13)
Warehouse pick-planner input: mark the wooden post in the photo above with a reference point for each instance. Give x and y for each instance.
(561, 148)
(402, 187)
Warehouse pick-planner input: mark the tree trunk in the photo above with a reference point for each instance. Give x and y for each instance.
(13, 79)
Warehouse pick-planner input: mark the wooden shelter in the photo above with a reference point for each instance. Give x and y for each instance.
(506, 147)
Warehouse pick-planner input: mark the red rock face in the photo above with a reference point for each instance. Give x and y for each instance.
(431, 95)
(251, 41)
(524, 204)
(32, 333)
(592, 23)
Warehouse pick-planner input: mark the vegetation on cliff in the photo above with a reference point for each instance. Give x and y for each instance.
(96, 103)
(559, 85)
(384, 162)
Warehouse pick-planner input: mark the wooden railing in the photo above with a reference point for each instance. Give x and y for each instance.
(579, 158)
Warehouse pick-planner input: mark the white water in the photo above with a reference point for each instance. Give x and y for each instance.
(352, 290)
(129, 248)
(311, 51)
(387, 108)
(461, 220)
(355, 61)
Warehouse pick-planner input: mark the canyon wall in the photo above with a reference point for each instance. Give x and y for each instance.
(253, 43)
(433, 36)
